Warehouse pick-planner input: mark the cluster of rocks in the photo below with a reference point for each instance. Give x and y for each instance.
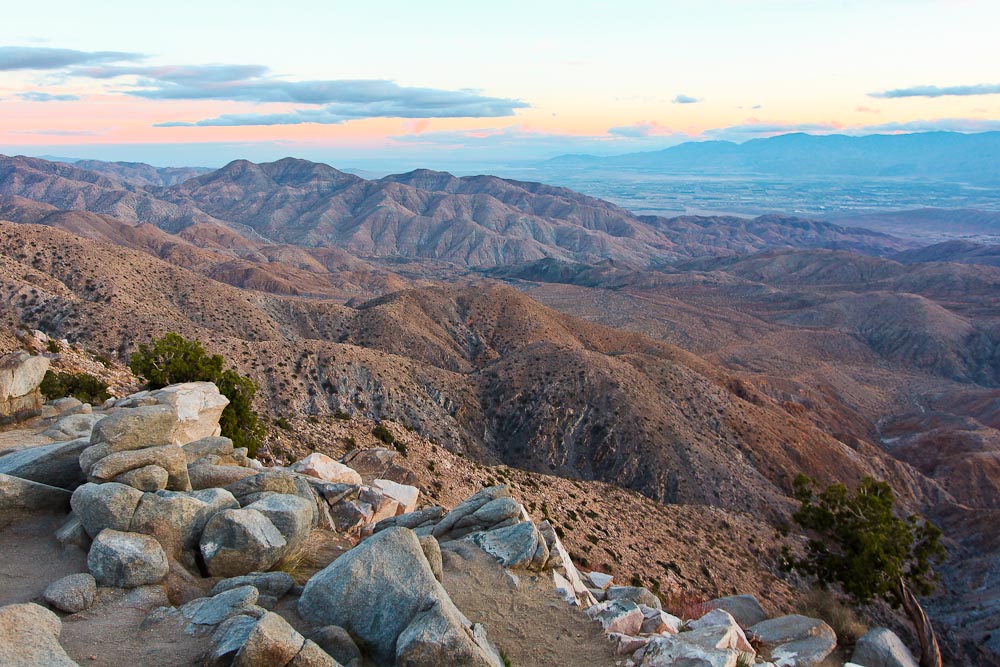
(159, 500)
(155, 496)
(735, 631)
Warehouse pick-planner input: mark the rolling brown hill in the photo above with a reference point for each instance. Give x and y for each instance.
(481, 368)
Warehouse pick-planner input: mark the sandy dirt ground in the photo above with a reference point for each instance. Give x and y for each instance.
(529, 621)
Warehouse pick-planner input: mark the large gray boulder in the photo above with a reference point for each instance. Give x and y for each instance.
(744, 608)
(239, 541)
(673, 651)
(72, 593)
(56, 464)
(20, 374)
(210, 446)
(136, 428)
(795, 640)
(202, 615)
(100, 506)
(22, 498)
(169, 457)
(636, 594)
(448, 526)
(382, 587)
(29, 637)
(291, 515)
(177, 519)
(520, 545)
(275, 481)
(881, 647)
(126, 560)
(268, 641)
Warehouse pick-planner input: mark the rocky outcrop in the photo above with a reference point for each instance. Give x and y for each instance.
(136, 438)
(384, 593)
(20, 375)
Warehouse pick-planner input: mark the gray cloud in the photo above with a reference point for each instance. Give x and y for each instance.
(336, 101)
(936, 91)
(45, 58)
(176, 79)
(327, 101)
(685, 99)
(39, 96)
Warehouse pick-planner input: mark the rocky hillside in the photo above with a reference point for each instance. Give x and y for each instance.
(145, 536)
(482, 369)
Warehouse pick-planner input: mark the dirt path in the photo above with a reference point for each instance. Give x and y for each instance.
(528, 621)
(31, 559)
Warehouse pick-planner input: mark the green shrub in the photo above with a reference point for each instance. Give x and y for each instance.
(382, 432)
(283, 423)
(81, 386)
(52, 346)
(174, 359)
(340, 414)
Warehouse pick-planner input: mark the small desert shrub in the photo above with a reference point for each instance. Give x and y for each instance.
(52, 346)
(827, 606)
(173, 359)
(340, 414)
(283, 423)
(382, 432)
(81, 386)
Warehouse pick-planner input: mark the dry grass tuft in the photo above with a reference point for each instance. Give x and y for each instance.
(827, 606)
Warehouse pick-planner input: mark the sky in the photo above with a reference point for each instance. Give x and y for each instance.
(442, 82)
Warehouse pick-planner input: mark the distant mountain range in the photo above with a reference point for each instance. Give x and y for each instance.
(972, 158)
(428, 215)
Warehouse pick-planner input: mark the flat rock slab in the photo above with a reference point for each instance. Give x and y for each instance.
(22, 498)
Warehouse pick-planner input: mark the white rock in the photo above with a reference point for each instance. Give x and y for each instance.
(323, 467)
(20, 374)
(669, 651)
(564, 588)
(404, 494)
(600, 580)
(198, 406)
